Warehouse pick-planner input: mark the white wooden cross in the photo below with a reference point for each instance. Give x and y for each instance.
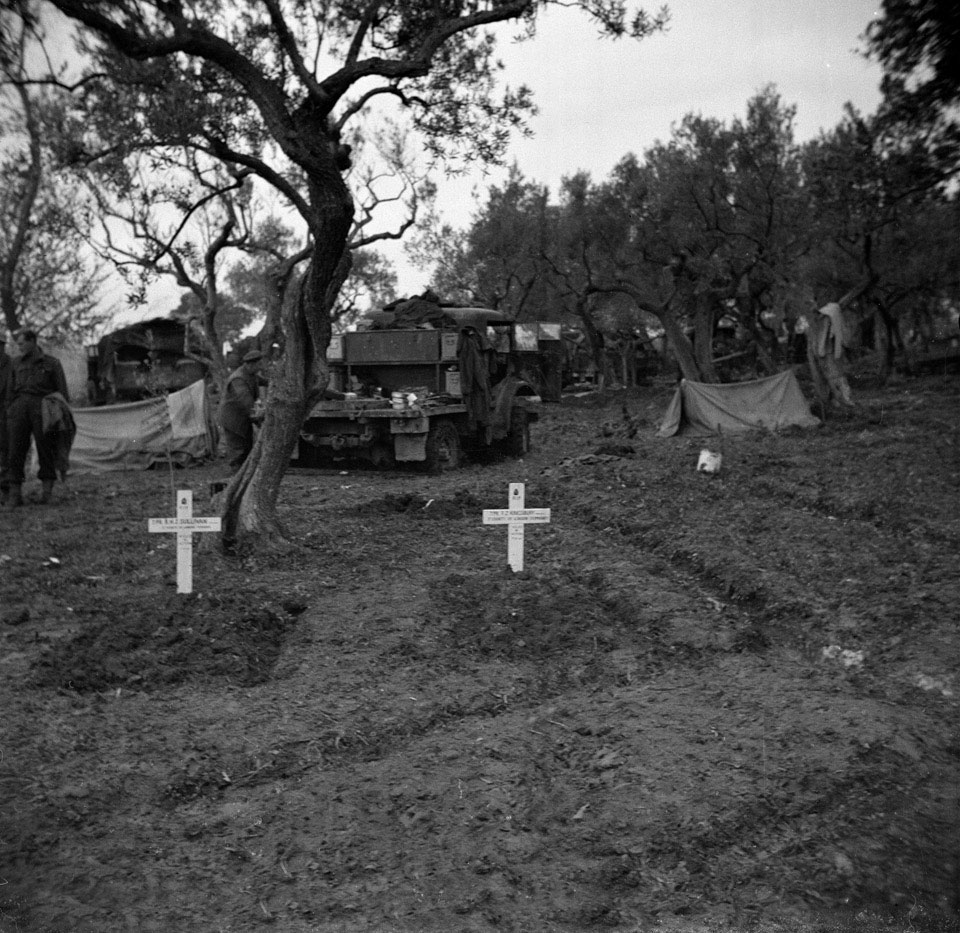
(184, 525)
(515, 517)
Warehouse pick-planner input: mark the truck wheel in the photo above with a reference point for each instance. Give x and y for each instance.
(307, 455)
(518, 440)
(380, 455)
(443, 448)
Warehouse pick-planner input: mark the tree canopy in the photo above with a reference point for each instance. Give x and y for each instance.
(725, 221)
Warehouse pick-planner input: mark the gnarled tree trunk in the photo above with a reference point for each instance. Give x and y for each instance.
(250, 501)
(703, 326)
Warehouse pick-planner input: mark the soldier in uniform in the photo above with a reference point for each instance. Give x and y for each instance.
(236, 414)
(33, 376)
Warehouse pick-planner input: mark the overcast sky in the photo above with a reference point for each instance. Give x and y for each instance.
(599, 99)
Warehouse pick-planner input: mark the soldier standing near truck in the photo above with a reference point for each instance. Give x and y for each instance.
(236, 414)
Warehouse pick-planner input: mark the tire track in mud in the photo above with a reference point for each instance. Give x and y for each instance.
(783, 581)
(623, 879)
(503, 634)
(601, 620)
(615, 635)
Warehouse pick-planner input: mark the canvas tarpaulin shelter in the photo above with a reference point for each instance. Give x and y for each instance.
(138, 435)
(701, 408)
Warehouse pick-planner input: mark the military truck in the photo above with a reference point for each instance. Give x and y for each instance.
(417, 394)
(144, 360)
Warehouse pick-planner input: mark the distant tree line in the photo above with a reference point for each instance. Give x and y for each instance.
(726, 223)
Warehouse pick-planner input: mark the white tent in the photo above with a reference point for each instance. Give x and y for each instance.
(773, 403)
(138, 435)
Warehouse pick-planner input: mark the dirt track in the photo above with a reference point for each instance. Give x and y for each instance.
(391, 731)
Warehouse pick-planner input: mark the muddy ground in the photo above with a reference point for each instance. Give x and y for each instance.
(388, 730)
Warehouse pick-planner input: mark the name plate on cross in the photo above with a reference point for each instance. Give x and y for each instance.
(515, 516)
(185, 525)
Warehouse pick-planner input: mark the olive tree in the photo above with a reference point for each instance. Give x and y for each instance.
(274, 86)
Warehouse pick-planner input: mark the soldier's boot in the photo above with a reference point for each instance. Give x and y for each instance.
(14, 496)
(46, 491)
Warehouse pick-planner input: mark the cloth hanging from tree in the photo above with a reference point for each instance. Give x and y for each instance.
(836, 329)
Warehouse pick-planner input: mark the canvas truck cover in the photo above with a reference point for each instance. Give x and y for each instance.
(137, 435)
(419, 312)
(773, 403)
(146, 359)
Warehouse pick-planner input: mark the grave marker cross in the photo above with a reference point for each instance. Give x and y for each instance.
(515, 517)
(184, 525)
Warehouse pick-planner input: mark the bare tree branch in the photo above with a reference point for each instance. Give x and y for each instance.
(366, 21)
(289, 44)
(357, 106)
(419, 63)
